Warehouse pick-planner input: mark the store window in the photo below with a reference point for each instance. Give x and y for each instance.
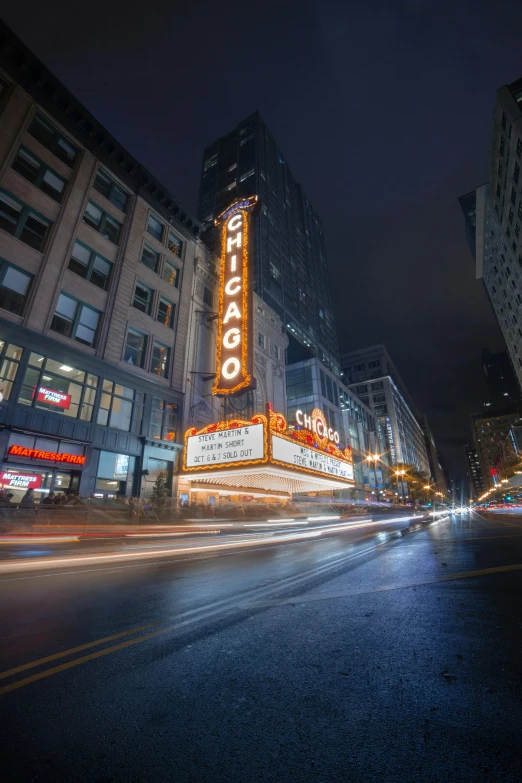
(74, 319)
(120, 407)
(164, 420)
(135, 348)
(160, 360)
(10, 356)
(90, 265)
(59, 388)
(14, 287)
(115, 474)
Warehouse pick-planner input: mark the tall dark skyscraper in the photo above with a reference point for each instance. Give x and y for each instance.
(290, 268)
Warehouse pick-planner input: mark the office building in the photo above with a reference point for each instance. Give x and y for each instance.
(495, 444)
(434, 459)
(289, 258)
(309, 385)
(503, 389)
(96, 270)
(371, 374)
(476, 483)
(496, 210)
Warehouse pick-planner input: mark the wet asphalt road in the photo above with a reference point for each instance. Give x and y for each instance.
(363, 656)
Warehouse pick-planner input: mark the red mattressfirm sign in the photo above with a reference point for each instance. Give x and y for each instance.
(53, 456)
(54, 397)
(20, 480)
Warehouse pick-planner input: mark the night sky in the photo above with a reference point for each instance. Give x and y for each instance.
(383, 111)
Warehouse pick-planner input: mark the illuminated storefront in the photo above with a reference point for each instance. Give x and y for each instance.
(68, 428)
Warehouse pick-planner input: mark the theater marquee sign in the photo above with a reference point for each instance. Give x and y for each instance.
(234, 344)
(267, 441)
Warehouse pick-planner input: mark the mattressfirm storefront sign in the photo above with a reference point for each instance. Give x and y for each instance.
(225, 446)
(20, 480)
(53, 397)
(234, 350)
(307, 459)
(51, 456)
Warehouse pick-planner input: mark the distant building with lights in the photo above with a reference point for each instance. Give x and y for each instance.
(476, 483)
(495, 444)
(289, 257)
(373, 377)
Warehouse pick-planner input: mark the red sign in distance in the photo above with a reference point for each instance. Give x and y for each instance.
(20, 480)
(54, 397)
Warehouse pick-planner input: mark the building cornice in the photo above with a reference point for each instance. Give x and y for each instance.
(31, 74)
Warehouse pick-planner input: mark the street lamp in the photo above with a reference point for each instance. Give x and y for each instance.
(401, 491)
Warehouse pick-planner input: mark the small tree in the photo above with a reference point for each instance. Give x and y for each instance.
(160, 492)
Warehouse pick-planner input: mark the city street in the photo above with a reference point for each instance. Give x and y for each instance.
(388, 652)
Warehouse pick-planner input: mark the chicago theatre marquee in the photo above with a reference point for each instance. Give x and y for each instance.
(263, 455)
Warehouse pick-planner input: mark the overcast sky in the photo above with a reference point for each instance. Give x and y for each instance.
(383, 111)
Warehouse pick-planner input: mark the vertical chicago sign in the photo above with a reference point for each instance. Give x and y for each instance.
(234, 343)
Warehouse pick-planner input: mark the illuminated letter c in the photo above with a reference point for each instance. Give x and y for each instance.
(235, 222)
(231, 282)
(299, 417)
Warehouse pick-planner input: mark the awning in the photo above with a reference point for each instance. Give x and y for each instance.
(267, 477)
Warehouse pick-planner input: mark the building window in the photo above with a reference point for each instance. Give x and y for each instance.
(14, 285)
(115, 474)
(373, 364)
(277, 352)
(502, 143)
(56, 387)
(22, 222)
(516, 172)
(174, 244)
(31, 168)
(171, 274)
(160, 360)
(111, 190)
(98, 219)
(87, 263)
(150, 258)
(155, 228)
(143, 298)
(519, 147)
(261, 340)
(120, 407)
(10, 356)
(207, 296)
(164, 420)
(135, 348)
(50, 137)
(513, 196)
(166, 312)
(76, 320)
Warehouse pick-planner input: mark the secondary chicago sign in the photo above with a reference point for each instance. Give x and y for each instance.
(234, 358)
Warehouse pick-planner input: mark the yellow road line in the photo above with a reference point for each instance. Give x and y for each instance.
(196, 614)
(72, 650)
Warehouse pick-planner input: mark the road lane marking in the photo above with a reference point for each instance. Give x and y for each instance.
(384, 588)
(193, 615)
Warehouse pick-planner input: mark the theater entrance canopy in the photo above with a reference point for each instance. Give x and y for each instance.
(264, 454)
